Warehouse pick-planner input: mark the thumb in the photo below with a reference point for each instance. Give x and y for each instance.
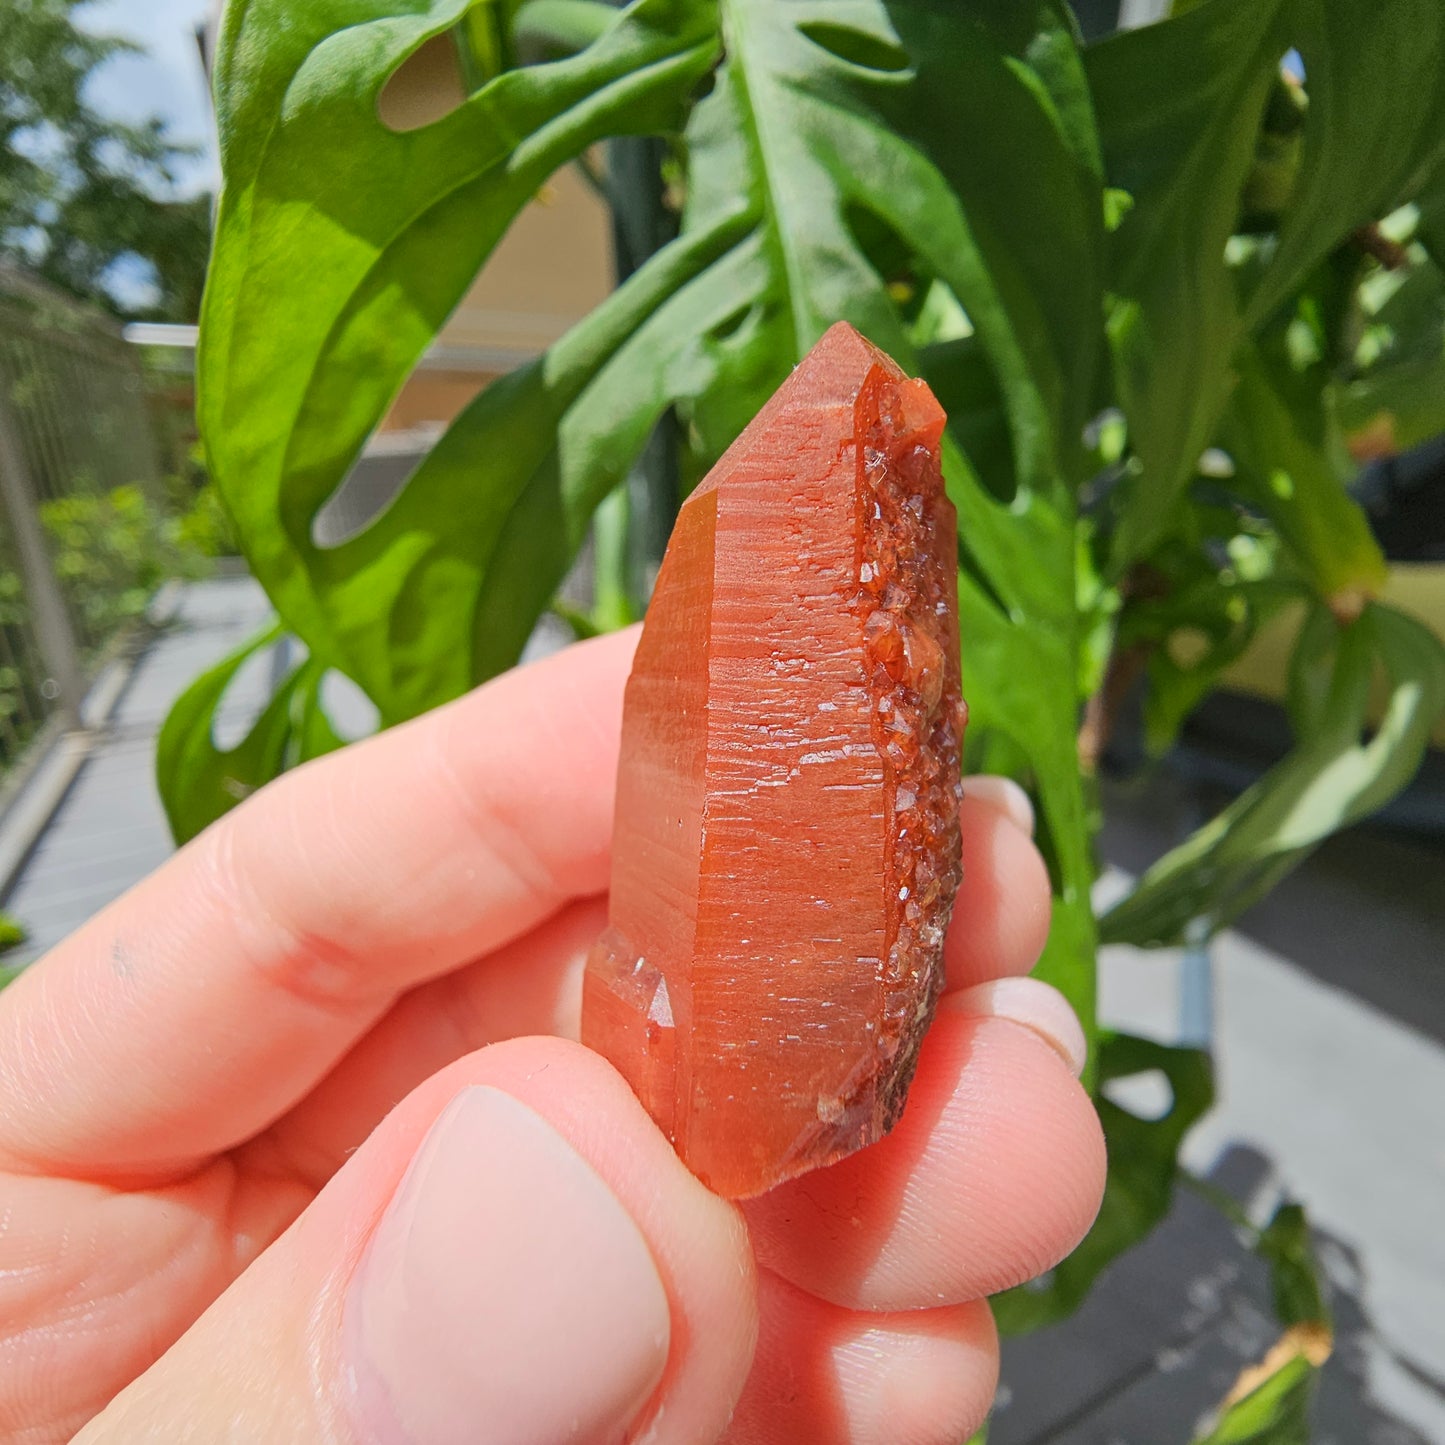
(515, 1255)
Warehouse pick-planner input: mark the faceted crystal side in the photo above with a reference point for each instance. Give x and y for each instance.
(657, 831)
(786, 847)
(791, 920)
(626, 1000)
(908, 598)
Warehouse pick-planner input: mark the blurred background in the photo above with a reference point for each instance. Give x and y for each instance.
(119, 583)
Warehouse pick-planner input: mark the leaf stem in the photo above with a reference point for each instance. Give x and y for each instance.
(611, 598)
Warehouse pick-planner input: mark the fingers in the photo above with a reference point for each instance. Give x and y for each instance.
(830, 1376)
(1001, 916)
(517, 1246)
(532, 986)
(249, 964)
(993, 1174)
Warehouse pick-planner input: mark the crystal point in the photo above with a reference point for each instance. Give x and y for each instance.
(786, 847)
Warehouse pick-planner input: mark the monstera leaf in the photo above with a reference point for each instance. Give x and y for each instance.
(846, 155)
(198, 779)
(341, 247)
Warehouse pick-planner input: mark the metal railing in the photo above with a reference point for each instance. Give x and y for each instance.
(74, 424)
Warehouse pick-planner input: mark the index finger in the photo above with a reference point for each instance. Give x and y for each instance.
(248, 964)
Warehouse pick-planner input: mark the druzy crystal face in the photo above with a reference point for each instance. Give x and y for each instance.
(786, 848)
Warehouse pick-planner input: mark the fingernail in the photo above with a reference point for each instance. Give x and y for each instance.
(1036, 1006)
(506, 1295)
(1004, 794)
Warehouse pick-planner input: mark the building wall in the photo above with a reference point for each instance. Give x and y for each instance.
(552, 267)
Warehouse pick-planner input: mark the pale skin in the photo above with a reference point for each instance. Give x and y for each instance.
(212, 1094)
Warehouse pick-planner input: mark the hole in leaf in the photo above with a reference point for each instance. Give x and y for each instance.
(1278, 151)
(857, 47)
(887, 252)
(1148, 1095)
(729, 326)
(375, 480)
(348, 709)
(426, 87)
(250, 689)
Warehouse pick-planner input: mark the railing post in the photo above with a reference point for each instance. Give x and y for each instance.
(42, 591)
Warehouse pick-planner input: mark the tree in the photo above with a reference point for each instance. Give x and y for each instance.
(80, 193)
(1141, 275)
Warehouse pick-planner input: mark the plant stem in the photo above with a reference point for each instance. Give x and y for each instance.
(612, 597)
(642, 224)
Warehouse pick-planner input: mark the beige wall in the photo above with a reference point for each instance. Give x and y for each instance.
(552, 267)
(548, 272)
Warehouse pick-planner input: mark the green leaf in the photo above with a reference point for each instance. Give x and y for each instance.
(1140, 1184)
(1283, 467)
(1274, 1412)
(1375, 128)
(432, 599)
(1180, 107)
(341, 248)
(1285, 1244)
(198, 781)
(1338, 774)
(1270, 1402)
(12, 932)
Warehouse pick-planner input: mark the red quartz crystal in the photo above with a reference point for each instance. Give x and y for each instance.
(786, 848)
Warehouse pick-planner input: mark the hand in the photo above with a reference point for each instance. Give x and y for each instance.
(297, 1144)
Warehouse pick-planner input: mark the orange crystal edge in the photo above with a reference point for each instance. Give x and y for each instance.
(901, 593)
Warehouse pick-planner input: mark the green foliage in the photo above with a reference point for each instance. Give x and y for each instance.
(79, 191)
(940, 173)
(200, 527)
(1339, 772)
(1275, 1412)
(12, 932)
(1392, 385)
(1285, 1245)
(111, 550)
(1270, 1404)
(806, 166)
(198, 779)
(1181, 109)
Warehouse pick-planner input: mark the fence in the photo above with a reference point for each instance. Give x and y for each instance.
(74, 426)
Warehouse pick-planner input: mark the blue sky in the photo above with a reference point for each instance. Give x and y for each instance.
(167, 80)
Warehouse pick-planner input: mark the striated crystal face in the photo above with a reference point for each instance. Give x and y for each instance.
(786, 847)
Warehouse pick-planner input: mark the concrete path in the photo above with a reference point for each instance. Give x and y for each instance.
(1330, 1037)
(1329, 1040)
(110, 830)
